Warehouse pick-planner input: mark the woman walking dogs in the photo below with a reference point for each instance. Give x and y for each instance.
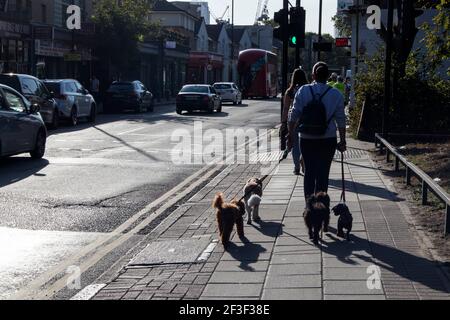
(299, 79)
(317, 113)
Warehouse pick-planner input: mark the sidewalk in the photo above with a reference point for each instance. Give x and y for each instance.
(279, 261)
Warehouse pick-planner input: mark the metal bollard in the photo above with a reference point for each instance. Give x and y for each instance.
(424, 193)
(447, 220)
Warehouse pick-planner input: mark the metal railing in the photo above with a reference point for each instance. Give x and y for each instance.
(428, 185)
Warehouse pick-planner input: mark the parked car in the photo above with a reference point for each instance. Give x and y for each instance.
(73, 100)
(36, 92)
(128, 95)
(198, 97)
(229, 92)
(21, 126)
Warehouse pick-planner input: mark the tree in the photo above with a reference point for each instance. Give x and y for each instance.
(121, 26)
(343, 25)
(437, 38)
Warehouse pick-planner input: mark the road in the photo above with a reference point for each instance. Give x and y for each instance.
(93, 180)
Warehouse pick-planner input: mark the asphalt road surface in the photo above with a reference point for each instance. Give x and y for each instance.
(92, 180)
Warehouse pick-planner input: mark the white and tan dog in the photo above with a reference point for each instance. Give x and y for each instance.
(253, 192)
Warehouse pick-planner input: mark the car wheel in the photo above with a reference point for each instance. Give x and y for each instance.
(55, 120)
(39, 148)
(73, 117)
(211, 108)
(93, 115)
(235, 102)
(152, 107)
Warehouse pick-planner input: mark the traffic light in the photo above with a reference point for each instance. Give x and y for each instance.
(280, 31)
(297, 27)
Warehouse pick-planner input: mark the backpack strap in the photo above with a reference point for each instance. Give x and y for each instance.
(325, 93)
(312, 93)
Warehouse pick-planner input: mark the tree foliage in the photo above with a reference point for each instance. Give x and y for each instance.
(342, 25)
(121, 26)
(437, 38)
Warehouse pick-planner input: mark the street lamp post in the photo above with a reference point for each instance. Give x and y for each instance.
(320, 28)
(232, 40)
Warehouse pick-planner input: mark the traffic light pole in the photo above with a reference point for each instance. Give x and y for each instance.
(297, 45)
(285, 53)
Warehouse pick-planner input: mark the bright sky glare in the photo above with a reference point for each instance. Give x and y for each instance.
(245, 11)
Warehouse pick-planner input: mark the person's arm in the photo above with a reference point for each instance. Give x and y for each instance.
(294, 117)
(286, 106)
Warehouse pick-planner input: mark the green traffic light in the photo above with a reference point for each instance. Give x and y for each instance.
(294, 40)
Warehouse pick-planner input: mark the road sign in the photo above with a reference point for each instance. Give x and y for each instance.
(72, 56)
(209, 67)
(323, 46)
(343, 42)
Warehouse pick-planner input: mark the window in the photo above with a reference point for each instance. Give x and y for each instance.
(44, 13)
(79, 87)
(30, 87)
(70, 87)
(15, 102)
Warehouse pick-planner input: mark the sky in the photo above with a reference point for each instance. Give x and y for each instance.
(245, 12)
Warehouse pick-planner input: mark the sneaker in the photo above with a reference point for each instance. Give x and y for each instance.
(297, 172)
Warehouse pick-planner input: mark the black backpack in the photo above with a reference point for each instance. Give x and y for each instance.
(314, 119)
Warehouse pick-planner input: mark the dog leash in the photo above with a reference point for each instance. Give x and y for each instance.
(284, 157)
(343, 178)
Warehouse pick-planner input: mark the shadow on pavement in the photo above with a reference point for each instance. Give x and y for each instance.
(367, 189)
(15, 169)
(246, 254)
(404, 264)
(270, 229)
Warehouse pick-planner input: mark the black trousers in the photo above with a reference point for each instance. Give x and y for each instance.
(318, 156)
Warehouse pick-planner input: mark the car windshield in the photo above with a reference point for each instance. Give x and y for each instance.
(195, 89)
(10, 82)
(53, 86)
(222, 86)
(121, 86)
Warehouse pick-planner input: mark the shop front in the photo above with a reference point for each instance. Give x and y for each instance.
(204, 68)
(61, 57)
(15, 48)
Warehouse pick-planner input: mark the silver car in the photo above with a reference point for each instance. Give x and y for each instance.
(73, 100)
(21, 126)
(229, 92)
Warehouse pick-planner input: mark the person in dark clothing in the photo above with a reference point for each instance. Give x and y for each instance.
(318, 150)
(299, 79)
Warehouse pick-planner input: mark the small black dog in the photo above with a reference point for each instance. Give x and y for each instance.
(345, 220)
(317, 215)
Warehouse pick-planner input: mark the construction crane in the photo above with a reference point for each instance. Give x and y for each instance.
(262, 12)
(219, 20)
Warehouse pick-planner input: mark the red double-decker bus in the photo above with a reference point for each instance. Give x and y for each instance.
(258, 73)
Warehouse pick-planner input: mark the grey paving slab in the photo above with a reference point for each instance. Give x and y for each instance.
(295, 249)
(355, 273)
(238, 277)
(293, 294)
(355, 297)
(293, 281)
(230, 266)
(280, 258)
(232, 290)
(294, 269)
(352, 287)
(181, 251)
